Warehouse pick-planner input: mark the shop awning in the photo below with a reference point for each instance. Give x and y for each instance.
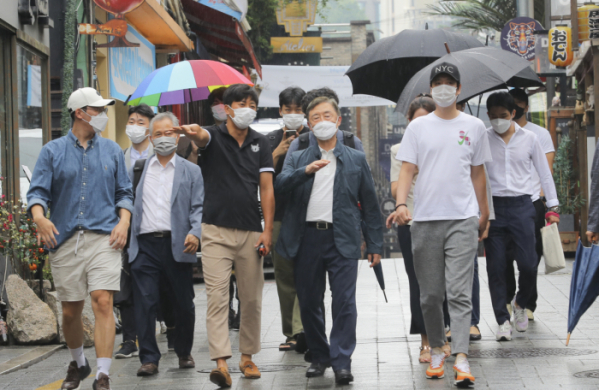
(221, 6)
(222, 35)
(154, 22)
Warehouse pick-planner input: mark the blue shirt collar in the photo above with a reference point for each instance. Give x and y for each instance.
(76, 142)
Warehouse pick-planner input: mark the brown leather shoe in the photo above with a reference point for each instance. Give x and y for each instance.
(75, 375)
(249, 370)
(220, 377)
(102, 383)
(147, 369)
(186, 362)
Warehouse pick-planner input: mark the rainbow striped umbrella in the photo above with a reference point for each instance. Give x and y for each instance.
(185, 82)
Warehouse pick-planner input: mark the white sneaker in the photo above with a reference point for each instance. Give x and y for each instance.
(504, 333)
(530, 315)
(520, 318)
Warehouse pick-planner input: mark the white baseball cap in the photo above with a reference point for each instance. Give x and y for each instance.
(87, 97)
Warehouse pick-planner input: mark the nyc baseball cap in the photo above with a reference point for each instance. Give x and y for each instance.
(87, 97)
(447, 69)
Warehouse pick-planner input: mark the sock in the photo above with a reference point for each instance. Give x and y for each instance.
(438, 351)
(103, 366)
(460, 358)
(78, 356)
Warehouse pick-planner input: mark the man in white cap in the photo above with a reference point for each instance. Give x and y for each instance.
(82, 176)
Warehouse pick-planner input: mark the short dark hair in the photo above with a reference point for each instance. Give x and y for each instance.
(519, 94)
(424, 101)
(143, 110)
(239, 93)
(216, 94)
(313, 94)
(501, 99)
(291, 95)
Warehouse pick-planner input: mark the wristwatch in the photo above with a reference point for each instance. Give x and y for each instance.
(554, 209)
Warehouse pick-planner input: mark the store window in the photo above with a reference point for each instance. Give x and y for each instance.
(30, 97)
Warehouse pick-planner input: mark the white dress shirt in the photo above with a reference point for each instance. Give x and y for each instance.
(158, 188)
(513, 163)
(547, 147)
(320, 207)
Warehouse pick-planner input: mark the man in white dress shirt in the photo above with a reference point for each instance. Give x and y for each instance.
(165, 234)
(516, 155)
(538, 199)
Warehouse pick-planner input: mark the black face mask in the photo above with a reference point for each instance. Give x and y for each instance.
(519, 112)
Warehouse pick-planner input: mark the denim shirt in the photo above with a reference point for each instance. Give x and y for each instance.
(84, 188)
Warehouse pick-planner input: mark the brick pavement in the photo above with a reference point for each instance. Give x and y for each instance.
(386, 357)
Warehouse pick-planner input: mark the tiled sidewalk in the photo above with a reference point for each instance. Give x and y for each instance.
(386, 357)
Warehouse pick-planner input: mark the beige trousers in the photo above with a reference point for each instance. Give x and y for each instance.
(221, 248)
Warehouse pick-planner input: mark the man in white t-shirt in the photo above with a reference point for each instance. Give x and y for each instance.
(538, 198)
(451, 214)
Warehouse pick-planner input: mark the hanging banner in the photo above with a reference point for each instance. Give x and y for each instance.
(296, 44)
(385, 145)
(560, 46)
(518, 37)
(128, 66)
(276, 78)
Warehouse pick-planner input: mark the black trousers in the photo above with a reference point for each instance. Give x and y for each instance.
(405, 243)
(317, 257)
(510, 276)
(155, 262)
(515, 221)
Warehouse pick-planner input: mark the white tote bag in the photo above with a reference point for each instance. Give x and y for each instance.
(552, 249)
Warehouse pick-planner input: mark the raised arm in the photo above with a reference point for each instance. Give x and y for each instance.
(199, 135)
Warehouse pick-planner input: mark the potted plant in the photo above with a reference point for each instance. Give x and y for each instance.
(566, 185)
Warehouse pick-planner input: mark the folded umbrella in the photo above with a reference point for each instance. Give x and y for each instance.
(185, 82)
(482, 69)
(386, 66)
(378, 271)
(584, 287)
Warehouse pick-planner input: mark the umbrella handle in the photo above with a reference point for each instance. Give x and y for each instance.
(568, 340)
(447, 48)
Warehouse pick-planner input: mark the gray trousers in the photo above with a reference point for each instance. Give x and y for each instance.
(443, 252)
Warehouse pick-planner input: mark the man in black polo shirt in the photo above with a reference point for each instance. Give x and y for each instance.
(235, 162)
(290, 108)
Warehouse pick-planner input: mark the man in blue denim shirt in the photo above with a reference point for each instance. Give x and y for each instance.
(83, 179)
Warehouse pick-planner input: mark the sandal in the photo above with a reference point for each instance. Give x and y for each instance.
(447, 349)
(288, 346)
(425, 355)
(475, 333)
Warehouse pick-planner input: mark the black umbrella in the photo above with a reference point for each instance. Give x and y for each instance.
(482, 69)
(386, 66)
(378, 271)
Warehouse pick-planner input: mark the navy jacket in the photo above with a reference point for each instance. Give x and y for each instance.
(353, 184)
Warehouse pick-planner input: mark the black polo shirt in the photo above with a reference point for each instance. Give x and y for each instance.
(232, 176)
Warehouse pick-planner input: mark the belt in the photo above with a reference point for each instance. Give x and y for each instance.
(161, 234)
(320, 225)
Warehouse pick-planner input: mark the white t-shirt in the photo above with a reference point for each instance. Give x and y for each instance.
(445, 151)
(547, 146)
(320, 206)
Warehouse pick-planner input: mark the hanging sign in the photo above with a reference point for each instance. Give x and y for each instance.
(296, 44)
(560, 46)
(518, 37)
(116, 27)
(296, 16)
(588, 22)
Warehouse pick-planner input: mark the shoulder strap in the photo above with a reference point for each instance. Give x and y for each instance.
(304, 141)
(274, 138)
(349, 140)
(138, 169)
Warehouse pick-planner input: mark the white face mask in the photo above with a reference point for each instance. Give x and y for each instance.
(165, 146)
(501, 125)
(98, 122)
(325, 130)
(293, 121)
(243, 117)
(137, 134)
(219, 113)
(444, 95)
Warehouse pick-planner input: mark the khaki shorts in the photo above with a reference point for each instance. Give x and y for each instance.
(85, 263)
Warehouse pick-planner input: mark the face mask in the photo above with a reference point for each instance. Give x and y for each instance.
(165, 146)
(98, 122)
(218, 112)
(243, 117)
(293, 121)
(325, 130)
(501, 125)
(444, 95)
(519, 112)
(137, 134)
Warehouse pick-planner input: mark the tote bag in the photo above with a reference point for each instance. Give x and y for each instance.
(552, 249)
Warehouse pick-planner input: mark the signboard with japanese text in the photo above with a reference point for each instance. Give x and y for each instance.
(296, 44)
(128, 66)
(518, 37)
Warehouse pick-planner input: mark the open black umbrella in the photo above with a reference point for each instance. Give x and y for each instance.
(386, 66)
(378, 271)
(482, 69)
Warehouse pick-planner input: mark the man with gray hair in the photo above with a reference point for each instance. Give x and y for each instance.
(165, 235)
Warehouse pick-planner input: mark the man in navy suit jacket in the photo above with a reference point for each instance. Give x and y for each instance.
(165, 235)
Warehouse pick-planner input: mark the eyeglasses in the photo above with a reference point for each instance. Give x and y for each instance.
(98, 110)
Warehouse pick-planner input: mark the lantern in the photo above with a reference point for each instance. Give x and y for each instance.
(560, 46)
(588, 22)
